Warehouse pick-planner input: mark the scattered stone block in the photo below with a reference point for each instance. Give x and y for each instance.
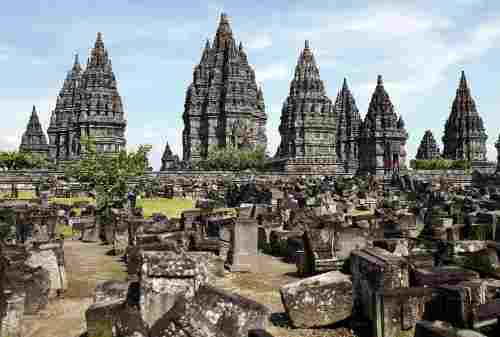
(110, 290)
(234, 314)
(319, 300)
(433, 277)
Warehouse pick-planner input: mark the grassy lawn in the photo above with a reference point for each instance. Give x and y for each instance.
(71, 201)
(21, 195)
(170, 207)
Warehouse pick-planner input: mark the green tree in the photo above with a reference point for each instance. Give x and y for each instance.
(231, 158)
(17, 160)
(108, 173)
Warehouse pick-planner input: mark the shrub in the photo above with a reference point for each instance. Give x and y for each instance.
(440, 164)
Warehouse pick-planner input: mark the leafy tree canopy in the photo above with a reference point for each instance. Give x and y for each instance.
(18, 160)
(108, 173)
(231, 158)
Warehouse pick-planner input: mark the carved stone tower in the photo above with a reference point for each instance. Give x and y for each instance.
(348, 123)
(34, 140)
(383, 136)
(307, 125)
(223, 104)
(168, 160)
(464, 135)
(88, 105)
(428, 148)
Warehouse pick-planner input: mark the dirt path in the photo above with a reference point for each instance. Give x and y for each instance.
(86, 264)
(263, 286)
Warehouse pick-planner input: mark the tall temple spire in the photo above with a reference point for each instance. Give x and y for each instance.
(464, 135)
(307, 56)
(307, 126)
(224, 35)
(428, 148)
(348, 124)
(98, 54)
(88, 101)
(344, 84)
(383, 136)
(463, 82)
(224, 95)
(34, 139)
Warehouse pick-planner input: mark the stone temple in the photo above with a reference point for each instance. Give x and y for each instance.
(464, 135)
(428, 148)
(168, 159)
(223, 104)
(34, 139)
(382, 137)
(348, 123)
(88, 105)
(307, 125)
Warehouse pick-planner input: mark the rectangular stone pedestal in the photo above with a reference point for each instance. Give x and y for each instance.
(244, 249)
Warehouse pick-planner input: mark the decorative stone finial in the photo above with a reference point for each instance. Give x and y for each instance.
(379, 80)
(344, 85)
(223, 18)
(463, 81)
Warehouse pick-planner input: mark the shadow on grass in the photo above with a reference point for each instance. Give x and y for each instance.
(282, 320)
(294, 274)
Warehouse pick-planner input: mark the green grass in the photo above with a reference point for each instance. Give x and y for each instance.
(170, 207)
(361, 212)
(71, 201)
(65, 231)
(21, 195)
(115, 272)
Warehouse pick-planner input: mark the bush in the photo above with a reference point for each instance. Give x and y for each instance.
(440, 164)
(231, 158)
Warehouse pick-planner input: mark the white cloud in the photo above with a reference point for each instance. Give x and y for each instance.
(260, 42)
(272, 72)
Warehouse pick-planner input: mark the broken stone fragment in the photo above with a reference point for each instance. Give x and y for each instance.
(110, 290)
(319, 300)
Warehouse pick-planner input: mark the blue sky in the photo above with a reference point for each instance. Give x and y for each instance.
(419, 47)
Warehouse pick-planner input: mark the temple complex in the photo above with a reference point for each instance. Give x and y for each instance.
(464, 134)
(34, 139)
(383, 136)
(307, 125)
(348, 122)
(224, 105)
(168, 159)
(428, 148)
(88, 105)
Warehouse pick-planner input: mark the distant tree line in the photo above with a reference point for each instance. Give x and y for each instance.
(18, 160)
(231, 158)
(440, 164)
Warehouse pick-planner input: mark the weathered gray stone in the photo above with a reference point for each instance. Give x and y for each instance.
(110, 290)
(14, 313)
(234, 314)
(47, 258)
(319, 300)
(165, 277)
(244, 123)
(37, 291)
(431, 277)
